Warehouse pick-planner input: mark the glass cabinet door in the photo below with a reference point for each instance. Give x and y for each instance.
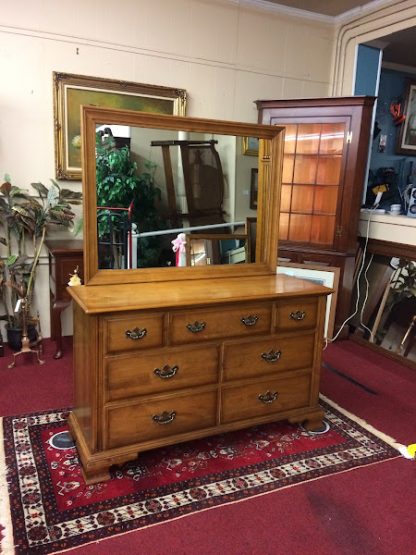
(312, 181)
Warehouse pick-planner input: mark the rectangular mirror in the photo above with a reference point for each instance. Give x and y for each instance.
(153, 183)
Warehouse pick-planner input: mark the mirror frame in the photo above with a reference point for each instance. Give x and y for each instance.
(270, 162)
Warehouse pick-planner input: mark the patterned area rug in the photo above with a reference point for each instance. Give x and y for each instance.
(52, 509)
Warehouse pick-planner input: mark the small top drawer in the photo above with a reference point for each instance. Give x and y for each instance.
(206, 324)
(137, 331)
(296, 314)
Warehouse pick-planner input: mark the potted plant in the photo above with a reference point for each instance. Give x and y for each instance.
(120, 184)
(25, 220)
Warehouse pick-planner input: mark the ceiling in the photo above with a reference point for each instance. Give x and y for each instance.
(324, 7)
(398, 48)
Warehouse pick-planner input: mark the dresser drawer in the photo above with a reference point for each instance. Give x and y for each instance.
(296, 314)
(151, 420)
(128, 333)
(267, 356)
(262, 399)
(205, 324)
(166, 370)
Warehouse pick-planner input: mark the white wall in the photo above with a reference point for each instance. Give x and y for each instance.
(223, 52)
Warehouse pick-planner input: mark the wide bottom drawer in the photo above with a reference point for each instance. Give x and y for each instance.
(262, 399)
(154, 419)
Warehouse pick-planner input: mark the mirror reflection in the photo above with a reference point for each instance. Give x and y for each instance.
(173, 198)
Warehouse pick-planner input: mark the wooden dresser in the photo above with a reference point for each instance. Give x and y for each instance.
(160, 363)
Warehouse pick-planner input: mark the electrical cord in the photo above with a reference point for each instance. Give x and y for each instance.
(357, 303)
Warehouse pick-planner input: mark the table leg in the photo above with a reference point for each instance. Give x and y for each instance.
(56, 326)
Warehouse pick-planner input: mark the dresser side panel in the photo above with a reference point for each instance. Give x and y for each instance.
(86, 374)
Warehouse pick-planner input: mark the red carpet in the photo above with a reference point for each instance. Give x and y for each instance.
(369, 510)
(52, 509)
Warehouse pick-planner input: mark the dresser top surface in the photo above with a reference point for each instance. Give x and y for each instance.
(95, 299)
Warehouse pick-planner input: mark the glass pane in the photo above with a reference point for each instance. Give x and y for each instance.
(305, 169)
(329, 170)
(302, 199)
(290, 139)
(308, 138)
(325, 199)
(283, 226)
(288, 163)
(332, 138)
(300, 227)
(285, 198)
(322, 230)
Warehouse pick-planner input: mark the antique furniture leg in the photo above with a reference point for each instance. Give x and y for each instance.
(57, 307)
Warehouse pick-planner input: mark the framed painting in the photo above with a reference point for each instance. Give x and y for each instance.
(73, 91)
(251, 146)
(406, 140)
(324, 275)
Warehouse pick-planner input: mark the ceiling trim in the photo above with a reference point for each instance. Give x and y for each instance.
(362, 11)
(343, 18)
(398, 67)
(286, 10)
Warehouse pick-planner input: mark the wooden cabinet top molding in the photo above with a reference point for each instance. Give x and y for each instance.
(114, 298)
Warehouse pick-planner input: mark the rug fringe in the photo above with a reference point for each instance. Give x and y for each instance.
(6, 533)
(384, 437)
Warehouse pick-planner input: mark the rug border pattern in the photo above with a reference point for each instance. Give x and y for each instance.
(365, 448)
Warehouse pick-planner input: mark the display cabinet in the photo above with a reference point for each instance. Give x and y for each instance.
(324, 174)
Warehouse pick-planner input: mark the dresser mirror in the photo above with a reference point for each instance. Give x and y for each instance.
(168, 197)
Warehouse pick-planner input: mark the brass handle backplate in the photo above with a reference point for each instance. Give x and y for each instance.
(137, 333)
(298, 315)
(268, 398)
(271, 356)
(196, 326)
(250, 320)
(166, 372)
(164, 418)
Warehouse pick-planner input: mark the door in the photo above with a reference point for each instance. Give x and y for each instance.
(313, 179)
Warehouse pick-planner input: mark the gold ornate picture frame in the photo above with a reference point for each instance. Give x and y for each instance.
(250, 146)
(71, 91)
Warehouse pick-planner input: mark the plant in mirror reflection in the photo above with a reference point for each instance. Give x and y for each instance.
(120, 185)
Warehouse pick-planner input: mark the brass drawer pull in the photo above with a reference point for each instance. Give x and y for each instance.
(298, 315)
(268, 398)
(165, 417)
(137, 333)
(250, 320)
(271, 356)
(196, 327)
(166, 372)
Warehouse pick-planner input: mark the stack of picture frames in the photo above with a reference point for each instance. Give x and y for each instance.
(323, 275)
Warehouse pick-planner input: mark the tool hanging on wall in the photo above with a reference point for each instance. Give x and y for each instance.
(396, 112)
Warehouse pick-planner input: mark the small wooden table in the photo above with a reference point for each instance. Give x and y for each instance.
(64, 257)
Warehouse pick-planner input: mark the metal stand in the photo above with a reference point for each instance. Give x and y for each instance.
(26, 345)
